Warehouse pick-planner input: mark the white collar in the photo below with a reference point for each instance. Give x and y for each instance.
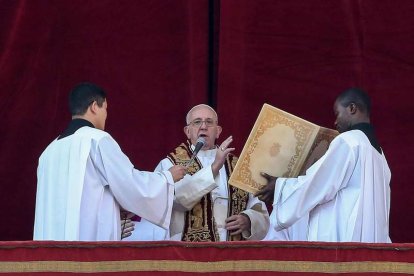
(205, 153)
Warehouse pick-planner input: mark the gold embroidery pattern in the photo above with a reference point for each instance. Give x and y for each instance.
(238, 197)
(330, 268)
(301, 133)
(199, 223)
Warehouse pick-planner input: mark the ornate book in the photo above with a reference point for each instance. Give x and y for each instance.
(280, 144)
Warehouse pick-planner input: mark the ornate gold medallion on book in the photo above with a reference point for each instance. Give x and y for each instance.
(280, 144)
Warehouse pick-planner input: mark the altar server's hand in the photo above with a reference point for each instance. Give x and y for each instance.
(267, 192)
(178, 172)
(127, 226)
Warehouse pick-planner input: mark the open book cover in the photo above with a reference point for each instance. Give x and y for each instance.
(280, 144)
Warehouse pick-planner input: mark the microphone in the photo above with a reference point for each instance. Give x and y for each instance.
(200, 143)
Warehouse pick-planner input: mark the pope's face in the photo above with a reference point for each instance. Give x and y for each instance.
(203, 123)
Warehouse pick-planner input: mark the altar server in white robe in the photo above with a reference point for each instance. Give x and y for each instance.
(346, 193)
(206, 207)
(84, 179)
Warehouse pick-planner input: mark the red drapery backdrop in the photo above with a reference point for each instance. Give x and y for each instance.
(154, 59)
(299, 55)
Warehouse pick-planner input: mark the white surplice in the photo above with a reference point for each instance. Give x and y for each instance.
(83, 181)
(346, 194)
(297, 232)
(189, 192)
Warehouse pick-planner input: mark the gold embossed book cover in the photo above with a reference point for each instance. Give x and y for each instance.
(280, 144)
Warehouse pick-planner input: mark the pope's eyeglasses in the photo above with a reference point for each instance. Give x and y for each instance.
(199, 122)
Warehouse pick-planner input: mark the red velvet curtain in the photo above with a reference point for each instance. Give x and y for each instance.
(157, 58)
(150, 57)
(299, 55)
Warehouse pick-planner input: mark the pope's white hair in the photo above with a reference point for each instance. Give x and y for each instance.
(187, 118)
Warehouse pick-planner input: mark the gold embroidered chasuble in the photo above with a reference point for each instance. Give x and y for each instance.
(200, 225)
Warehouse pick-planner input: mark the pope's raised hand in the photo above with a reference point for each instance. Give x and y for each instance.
(221, 155)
